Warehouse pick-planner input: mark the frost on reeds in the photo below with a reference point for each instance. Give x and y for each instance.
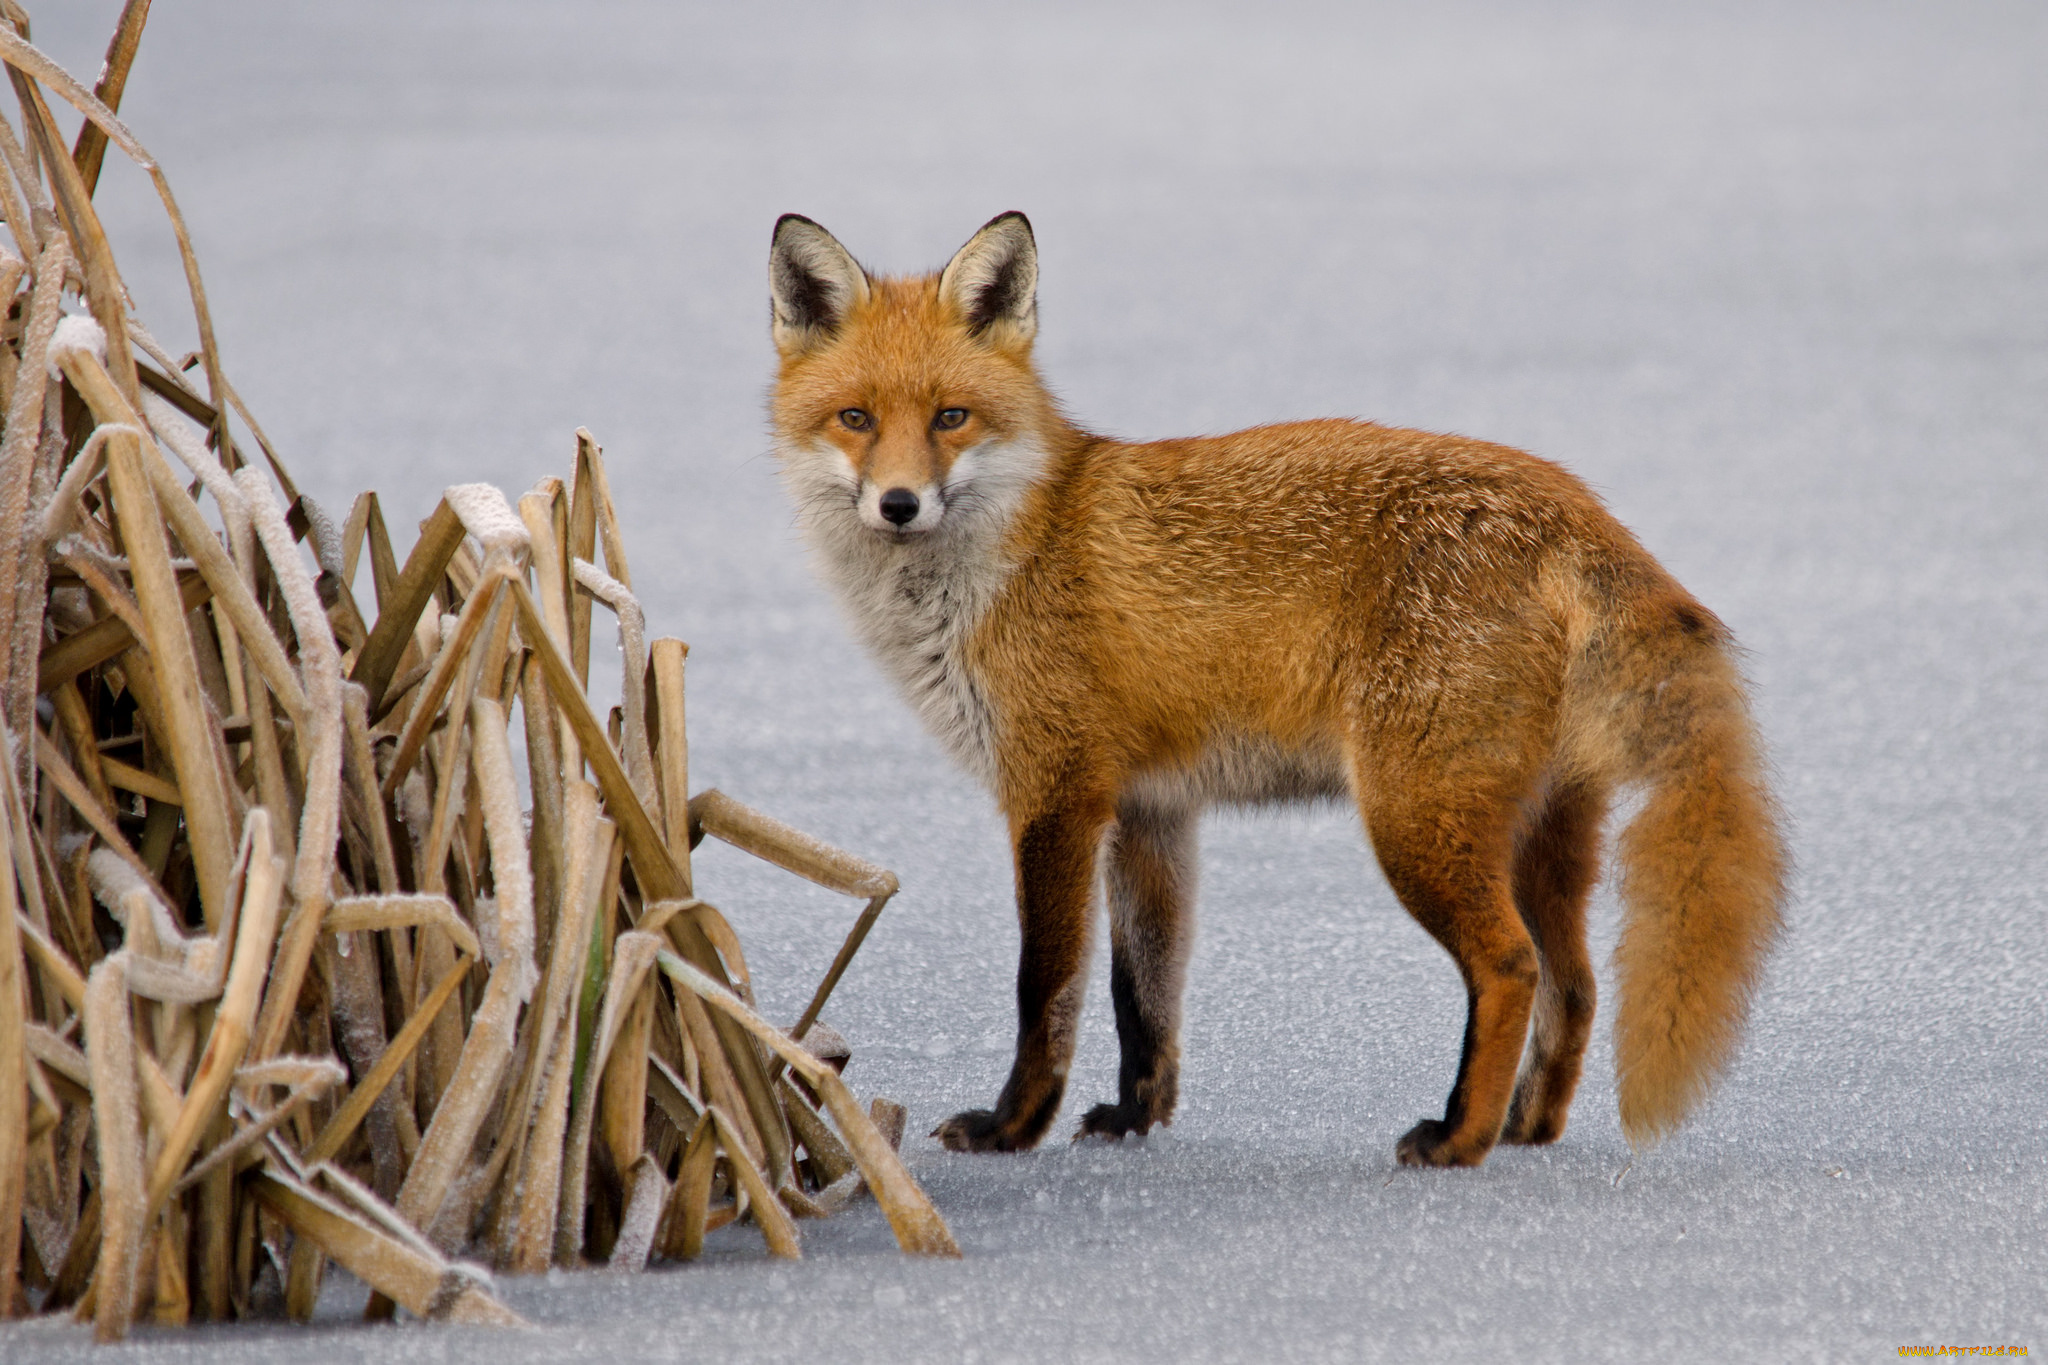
(288, 976)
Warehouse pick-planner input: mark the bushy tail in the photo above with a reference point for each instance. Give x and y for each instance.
(1703, 871)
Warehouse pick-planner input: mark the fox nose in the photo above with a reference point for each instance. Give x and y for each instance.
(899, 506)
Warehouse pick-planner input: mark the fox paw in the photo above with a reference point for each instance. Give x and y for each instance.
(976, 1130)
(1115, 1122)
(1429, 1143)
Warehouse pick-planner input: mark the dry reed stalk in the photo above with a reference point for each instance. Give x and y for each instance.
(410, 1273)
(633, 645)
(672, 749)
(358, 1026)
(97, 817)
(107, 638)
(579, 541)
(24, 421)
(622, 1087)
(551, 580)
(370, 914)
(54, 964)
(720, 1085)
(690, 1196)
(91, 149)
(104, 291)
(646, 1198)
(442, 675)
(24, 62)
(376, 663)
(212, 561)
(792, 849)
(778, 1230)
(545, 779)
(20, 218)
(828, 1154)
(13, 1073)
(590, 463)
(110, 1053)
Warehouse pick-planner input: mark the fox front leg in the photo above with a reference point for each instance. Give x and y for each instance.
(1055, 882)
(1151, 883)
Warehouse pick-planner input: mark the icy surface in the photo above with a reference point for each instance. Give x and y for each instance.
(1774, 278)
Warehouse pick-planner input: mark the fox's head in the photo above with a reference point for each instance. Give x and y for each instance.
(908, 406)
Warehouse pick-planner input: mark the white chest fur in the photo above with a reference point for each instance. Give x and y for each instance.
(917, 600)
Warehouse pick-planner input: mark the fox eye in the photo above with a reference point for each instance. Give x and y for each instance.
(950, 418)
(855, 420)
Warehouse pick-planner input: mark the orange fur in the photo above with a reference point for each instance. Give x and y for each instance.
(1455, 635)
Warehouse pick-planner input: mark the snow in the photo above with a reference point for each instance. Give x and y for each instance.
(77, 332)
(1773, 277)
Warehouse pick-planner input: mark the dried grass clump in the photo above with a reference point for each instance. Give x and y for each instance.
(286, 973)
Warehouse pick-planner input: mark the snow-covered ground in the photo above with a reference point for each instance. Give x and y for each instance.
(1774, 277)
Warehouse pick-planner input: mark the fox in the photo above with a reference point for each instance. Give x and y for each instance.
(1454, 636)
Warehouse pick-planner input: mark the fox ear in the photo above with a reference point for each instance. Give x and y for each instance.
(993, 280)
(812, 281)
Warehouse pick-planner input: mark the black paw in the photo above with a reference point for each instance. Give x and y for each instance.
(1115, 1122)
(977, 1130)
(1429, 1143)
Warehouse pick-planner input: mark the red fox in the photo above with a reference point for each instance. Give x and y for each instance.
(1454, 635)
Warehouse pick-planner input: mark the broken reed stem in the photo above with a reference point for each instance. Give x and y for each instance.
(633, 646)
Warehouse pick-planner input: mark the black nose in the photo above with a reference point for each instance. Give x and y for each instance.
(899, 506)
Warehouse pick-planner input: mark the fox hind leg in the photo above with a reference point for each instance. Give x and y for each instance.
(1151, 881)
(1449, 865)
(1557, 862)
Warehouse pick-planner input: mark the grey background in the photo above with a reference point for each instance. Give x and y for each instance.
(1773, 277)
